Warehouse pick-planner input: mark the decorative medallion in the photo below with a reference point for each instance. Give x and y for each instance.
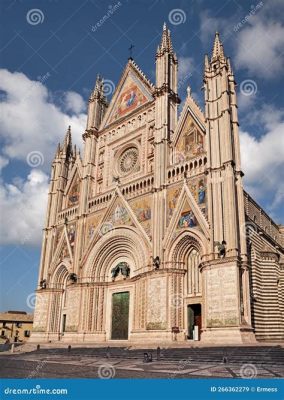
(128, 161)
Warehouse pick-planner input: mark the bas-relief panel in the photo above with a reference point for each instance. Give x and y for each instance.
(191, 142)
(157, 304)
(73, 305)
(221, 293)
(40, 315)
(142, 209)
(131, 97)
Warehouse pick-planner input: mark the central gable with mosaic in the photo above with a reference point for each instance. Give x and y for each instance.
(190, 142)
(133, 94)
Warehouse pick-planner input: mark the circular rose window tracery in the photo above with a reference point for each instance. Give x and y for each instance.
(128, 161)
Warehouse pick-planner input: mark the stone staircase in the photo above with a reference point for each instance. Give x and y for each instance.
(267, 355)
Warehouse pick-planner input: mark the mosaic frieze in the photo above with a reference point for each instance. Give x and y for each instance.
(119, 216)
(92, 224)
(130, 97)
(143, 211)
(199, 192)
(190, 143)
(71, 233)
(187, 218)
(172, 198)
(57, 233)
(73, 195)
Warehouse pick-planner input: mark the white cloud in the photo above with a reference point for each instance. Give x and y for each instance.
(208, 26)
(3, 162)
(30, 121)
(74, 102)
(23, 205)
(263, 159)
(185, 67)
(258, 40)
(245, 103)
(260, 47)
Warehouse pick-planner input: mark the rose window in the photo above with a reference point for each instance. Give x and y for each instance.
(128, 161)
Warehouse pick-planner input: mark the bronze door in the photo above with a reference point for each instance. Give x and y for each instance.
(120, 316)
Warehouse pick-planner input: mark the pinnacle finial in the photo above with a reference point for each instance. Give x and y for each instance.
(218, 51)
(188, 90)
(206, 61)
(166, 42)
(67, 143)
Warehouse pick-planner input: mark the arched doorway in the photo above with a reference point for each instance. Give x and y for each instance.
(187, 250)
(110, 271)
(58, 314)
(193, 295)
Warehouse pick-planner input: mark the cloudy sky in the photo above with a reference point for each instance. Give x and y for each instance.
(51, 52)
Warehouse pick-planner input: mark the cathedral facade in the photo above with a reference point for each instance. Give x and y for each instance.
(150, 236)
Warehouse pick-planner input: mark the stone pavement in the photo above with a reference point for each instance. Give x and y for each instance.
(102, 362)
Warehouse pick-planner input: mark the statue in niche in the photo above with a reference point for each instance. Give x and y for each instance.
(221, 248)
(121, 268)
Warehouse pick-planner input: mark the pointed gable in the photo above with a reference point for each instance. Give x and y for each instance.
(133, 91)
(187, 218)
(74, 191)
(186, 214)
(189, 140)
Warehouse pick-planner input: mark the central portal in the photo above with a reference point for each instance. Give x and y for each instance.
(120, 316)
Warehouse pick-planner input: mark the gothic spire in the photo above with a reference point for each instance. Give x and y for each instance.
(98, 91)
(166, 42)
(206, 62)
(67, 143)
(218, 51)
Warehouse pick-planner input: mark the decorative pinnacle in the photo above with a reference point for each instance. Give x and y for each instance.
(218, 51)
(188, 90)
(67, 143)
(166, 42)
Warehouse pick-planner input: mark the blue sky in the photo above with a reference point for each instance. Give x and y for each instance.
(51, 52)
